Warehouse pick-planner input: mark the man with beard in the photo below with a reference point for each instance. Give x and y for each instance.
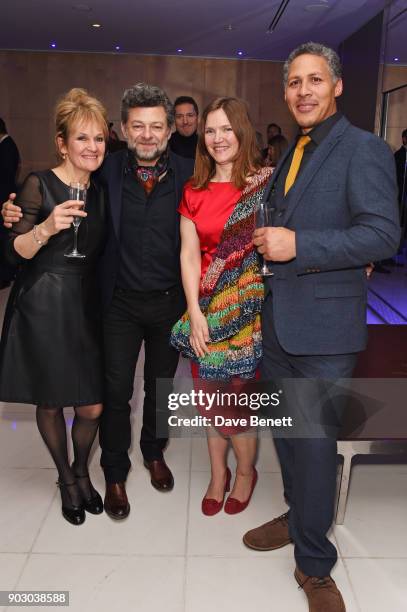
(141, 283)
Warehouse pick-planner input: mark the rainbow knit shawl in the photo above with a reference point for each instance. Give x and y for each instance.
(231, 296)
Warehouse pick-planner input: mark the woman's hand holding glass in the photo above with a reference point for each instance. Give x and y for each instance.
(199, 333)
(61, 217)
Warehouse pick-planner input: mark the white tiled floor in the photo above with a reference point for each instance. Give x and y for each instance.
(167, 555)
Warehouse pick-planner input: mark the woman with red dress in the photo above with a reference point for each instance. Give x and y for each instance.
(221, 331)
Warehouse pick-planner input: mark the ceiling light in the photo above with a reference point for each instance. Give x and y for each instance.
(240, 53)
(117, 48)
(96, 25)
(83, 8)
(316, 7)
(53, 45)
(396, 59)
(180, 50)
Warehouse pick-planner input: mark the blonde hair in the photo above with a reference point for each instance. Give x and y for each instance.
(75, 107)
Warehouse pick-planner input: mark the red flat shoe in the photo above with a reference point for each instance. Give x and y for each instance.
(212, 506)
(233, 505)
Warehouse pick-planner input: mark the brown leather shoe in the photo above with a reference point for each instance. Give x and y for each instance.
(116, 503)
(322, 593)
(161, 477)
(269, 536)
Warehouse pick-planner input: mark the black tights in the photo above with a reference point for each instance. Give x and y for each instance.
(51, 425)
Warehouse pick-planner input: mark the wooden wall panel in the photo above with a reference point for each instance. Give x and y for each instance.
(31, 83)
(273, 108)
(394, 76)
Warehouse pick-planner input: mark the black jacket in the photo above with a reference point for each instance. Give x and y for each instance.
(111, 174)
(9, 161)
(400, 159)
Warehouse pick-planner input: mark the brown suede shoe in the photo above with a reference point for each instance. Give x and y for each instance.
(269, 536)
(161, 477)
(322, 593)
(116, 503)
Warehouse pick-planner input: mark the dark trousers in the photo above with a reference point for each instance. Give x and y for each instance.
(133, 317)
(7, 272)
(308, 463)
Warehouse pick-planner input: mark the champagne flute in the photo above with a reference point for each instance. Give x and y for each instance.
(77, 191)
(263, 219)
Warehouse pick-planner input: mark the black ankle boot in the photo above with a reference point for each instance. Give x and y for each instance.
(73, 514)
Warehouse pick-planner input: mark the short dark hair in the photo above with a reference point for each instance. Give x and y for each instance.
(274, 125)
(186, 100)
(279, 143)
(143, 95)
(3, 129)
(404, 133)
(313, 48)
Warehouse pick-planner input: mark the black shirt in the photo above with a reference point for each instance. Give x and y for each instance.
(317, 135)
(185, 146)
(149, 256)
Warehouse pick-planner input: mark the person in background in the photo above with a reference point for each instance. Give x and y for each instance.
(400, 158)
(277, 145)
(51, 346)
(272, 130)
(184, 140)
(9, 167)
(114, 143)
(220, 274)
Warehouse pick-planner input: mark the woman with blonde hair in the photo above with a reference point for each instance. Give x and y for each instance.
(221, 331)
(50, 352)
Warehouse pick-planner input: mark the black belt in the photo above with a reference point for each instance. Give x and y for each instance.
(148, 292)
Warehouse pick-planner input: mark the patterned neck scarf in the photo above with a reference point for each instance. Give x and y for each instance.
(148, 176)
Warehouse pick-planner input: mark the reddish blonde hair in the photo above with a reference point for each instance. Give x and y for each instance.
(74, 108)
(248, 159)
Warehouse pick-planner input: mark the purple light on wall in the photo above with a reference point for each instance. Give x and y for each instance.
(240, 53)
(53, 45)
(117, 48)
(180, 50)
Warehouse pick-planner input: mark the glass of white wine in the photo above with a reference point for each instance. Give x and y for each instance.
(263, 219)
(77, 191)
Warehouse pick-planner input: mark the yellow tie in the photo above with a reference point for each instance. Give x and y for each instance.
(296, 163)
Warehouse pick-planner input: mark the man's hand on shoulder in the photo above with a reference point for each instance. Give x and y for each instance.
(10, 212)
(275, 243)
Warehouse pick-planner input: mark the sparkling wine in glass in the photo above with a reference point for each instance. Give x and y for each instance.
(77, 191)
(263, 219)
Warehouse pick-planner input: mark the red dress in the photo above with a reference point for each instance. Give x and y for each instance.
(209, 209)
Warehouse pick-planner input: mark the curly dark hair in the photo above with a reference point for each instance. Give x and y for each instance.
(144, 95)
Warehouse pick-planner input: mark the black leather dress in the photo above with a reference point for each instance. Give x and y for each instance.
(51, 348)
